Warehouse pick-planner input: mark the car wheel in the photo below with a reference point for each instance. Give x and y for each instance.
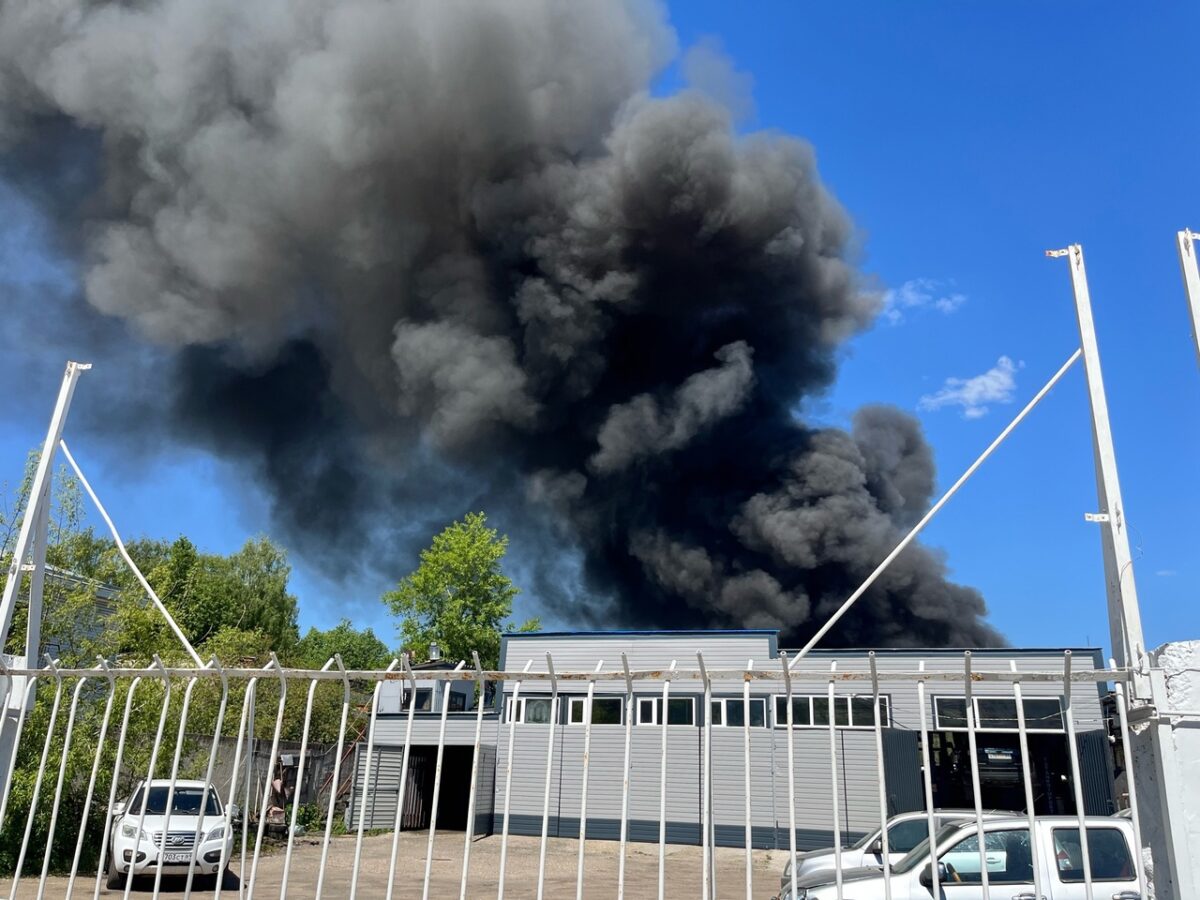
(115, 879)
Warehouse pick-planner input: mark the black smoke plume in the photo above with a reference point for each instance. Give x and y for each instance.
(411, 257)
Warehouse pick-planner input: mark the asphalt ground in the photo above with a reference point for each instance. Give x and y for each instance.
(683, 871)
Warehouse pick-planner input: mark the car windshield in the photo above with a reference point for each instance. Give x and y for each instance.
(186, 802)
(920, 853)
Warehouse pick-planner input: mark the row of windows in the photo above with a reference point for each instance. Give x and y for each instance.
(998, 713)
(727, 712)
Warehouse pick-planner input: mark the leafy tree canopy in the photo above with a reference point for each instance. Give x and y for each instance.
(359, 649)
(459, 595)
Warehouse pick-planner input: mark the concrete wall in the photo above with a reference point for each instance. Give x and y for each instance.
(1166, 767)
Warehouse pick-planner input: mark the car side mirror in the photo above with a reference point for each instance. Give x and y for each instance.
(926, 876)
(118, 809)
(235, 812)
(877, 846)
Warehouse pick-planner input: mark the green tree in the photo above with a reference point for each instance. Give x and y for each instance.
(458, 596)
(359, 649)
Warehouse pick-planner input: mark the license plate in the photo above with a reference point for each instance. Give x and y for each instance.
(178, 857)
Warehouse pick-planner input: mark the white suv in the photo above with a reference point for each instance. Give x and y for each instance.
(170, 841)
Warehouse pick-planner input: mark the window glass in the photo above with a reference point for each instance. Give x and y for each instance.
(458, 702)
(681, 711)
(648, 711)
(716, 713)
(1107, 849)
(841, 706)
(903, 836)
(1043, 714)
(820, 710)
(801, 712)
(1008, 856)
(951, 712)
(186, 802)
(735, 713)
(996, 712)
(537, 711)
(607, 711)
(919, 854)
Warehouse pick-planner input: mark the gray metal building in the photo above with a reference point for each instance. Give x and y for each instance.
(998, 747)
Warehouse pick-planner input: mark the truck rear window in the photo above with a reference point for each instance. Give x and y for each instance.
(1107, 849)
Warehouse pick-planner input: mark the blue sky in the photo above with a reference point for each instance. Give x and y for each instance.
(964, 140)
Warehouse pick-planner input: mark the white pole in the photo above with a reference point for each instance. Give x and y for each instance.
(625, 777)
(708, 887)
(833, 772)
(38, 494)
(1076, 779)
(933, 510)
(1191, 279)
(437, 780)
(541, 879)
(791, 758)
(1124, 615)
(749, 826)
(927, 780)
(1027, 778)
(472, 799)
(583, 793)
(881, 775)
(662, 784)
(976, 793)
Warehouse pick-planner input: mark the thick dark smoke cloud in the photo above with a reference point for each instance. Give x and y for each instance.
(414, 257)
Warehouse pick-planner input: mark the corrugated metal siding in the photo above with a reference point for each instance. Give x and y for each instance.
(379, 809)
(856, 763)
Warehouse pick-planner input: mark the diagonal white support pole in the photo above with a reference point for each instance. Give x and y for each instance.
(158, 604)
(33, 524)
(1124, 616)
(1191, 279)
(934, 510)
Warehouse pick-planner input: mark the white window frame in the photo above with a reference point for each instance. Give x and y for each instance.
(580, 703)
(1029, 726)
(656, 702)
(725, 701)
(519, 719)
(885, 711)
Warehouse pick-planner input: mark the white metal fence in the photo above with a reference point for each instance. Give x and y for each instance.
(113, 693)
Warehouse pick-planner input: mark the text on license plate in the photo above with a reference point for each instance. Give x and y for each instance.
(177, 857)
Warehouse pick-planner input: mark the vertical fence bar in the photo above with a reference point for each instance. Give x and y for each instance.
(791, 774)
(361, 824)
(1076, 782)
(927, 780)
(91, 788)
(881, 774)
(112, 789)
(583, 793)
(662, 787)
(10, 689)
(270, 774)
(247, 715)
(291, 836)
(158, 735)
(213, 748)
(541, 879)
(335, 783)
(471, 798)
(251, 746)
(406, 662)
(1127, 749)
(37, 785)
(708, 887)
(749, 813)
(973, 744)
(511, 716)
(833, 772)
(166, 827)
(58, 786)
(625, 777)
(1027, 778)
(437, 782)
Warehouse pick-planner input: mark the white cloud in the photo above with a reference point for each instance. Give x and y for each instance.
(921, 293)
(996, 385)
(1166, 573)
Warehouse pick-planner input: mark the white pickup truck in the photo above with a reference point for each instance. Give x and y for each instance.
(1009, 857)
